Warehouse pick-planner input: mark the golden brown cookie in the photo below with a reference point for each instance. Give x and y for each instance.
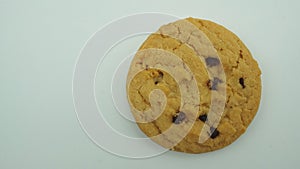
(193, 86)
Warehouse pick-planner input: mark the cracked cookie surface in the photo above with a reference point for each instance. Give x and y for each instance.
(241, 83)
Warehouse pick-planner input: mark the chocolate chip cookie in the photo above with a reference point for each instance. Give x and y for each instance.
(193, 86)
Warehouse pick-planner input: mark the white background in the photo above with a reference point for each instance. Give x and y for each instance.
(40, 42)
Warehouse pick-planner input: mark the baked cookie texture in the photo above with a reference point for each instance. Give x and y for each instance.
(242, 85)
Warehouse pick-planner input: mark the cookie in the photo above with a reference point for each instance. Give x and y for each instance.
(193, 86)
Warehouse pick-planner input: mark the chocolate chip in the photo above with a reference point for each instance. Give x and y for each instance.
(158, 78)
(241, 80)
(241, 54)
(178, 118)
(214, 132)
(160, 74)
(213, 84)
(210, 61)
(203, 117)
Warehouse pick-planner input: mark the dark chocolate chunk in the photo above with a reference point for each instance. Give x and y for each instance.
(241, 80)
(214, 132)
(210, 61)
(241, 54)
(203, 117)
(178, 118)
(158, 78)
(160, 74)
(213, 84)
